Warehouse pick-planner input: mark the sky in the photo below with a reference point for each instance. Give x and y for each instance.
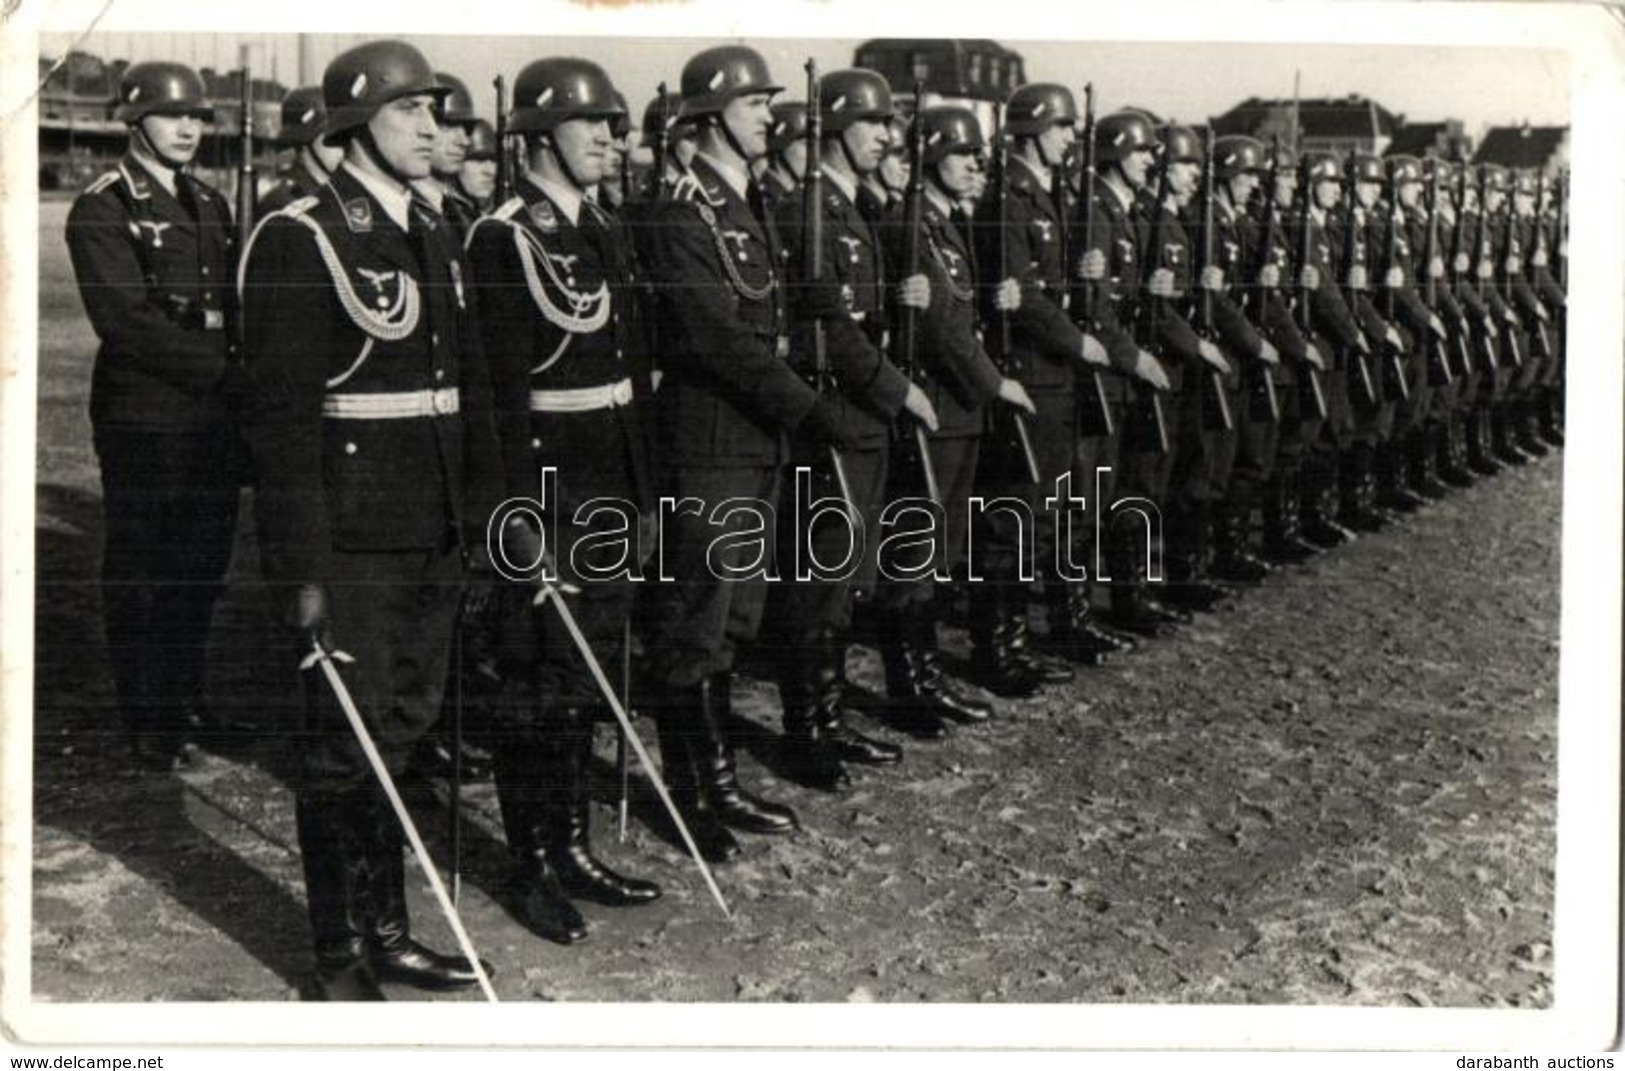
(1483, 85)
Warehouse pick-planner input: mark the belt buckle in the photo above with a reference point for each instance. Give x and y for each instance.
(781, 346)
(214, 320)
(441, 402)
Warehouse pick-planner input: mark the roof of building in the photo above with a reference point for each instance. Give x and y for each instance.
(1520, 146)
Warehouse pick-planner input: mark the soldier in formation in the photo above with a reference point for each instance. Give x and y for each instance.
(808, 313)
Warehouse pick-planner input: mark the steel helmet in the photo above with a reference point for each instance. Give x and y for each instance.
(654, 121)
(950, 129)
(1403, 169)
(458, 105)
(789, 125)
(1237, 154)
(718, 75)
(1037, 106)
(1364, 167)
(303, 115)
(1495, 177)
(1183, 146)
(1321, 167)
(620, 125)
(1121, 133)
(360, 81)
(1524, 182)
(850, 95)
(161, 88)
(549, 91)
(482, 141)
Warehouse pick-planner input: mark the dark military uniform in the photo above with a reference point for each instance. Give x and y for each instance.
(1294, 378)
(370, 428)
(848, 305)
(1333, 320)
(1121, 465)
(155, 272)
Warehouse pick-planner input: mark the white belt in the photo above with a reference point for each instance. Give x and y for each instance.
(581, 399)
(394, 405)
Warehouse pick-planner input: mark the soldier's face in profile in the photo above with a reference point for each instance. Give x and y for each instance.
(1242, 187)
(1367, 192)
(479, 178)
(1183, 177)
(1410, 194)
(174, 137)
(1137, 166)
(1286, 187)
(1524, 203)
(1053, 143)
(583, 146)
(894, 171)
(749, 117)
(450, 147)
(404, 131)
(795, 158)
(958, 173)
(866, 142)
(1327, 193)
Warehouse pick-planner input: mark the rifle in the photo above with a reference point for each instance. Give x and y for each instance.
(1486, 252)
(1561, 230)
(1305, 309)
(504, 162)
(812, 263)
(1264, 386)
(1101, 412)
(1353, 242)
(1541, 341)
(1458, 251)
(1152, 312)
(1390, 300)
(246, 200)
(661, 149)
(1438, 348)
(908, 327)
(1219, 415)
(1000, 183)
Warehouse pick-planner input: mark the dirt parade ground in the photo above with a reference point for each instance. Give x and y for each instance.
(1339, 789)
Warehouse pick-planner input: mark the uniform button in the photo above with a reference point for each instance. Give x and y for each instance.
(434, 338)
(536, 444)
(618, 354)
(205, 270)
(439, 374)
(349, 448)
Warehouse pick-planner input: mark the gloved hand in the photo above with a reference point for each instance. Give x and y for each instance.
(1149, 369)
(1093, 266)
(1269, 276)
(914, 292)
(308, 611)
(1213, 356)
(1212, 278)
(920, 408)
(1008, 296)
(1161, 284)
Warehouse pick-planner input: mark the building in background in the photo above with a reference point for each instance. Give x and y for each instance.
(1447, 140)
(1338, 125)
(1543, 148)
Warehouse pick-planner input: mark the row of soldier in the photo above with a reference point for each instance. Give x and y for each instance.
(1209, 328)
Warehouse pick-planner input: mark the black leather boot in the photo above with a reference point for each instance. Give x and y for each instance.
(719, 776)
(829, 705)
(391, 951)
(992, 665)
(912, 707)
(809, 758)
(1048, 670)
(527, 794)
(948, 696)
(1446, 458)
(1283, 542)
(334, 871)
(1233, 558)
(1356, 490)
(1187, 589)
(1072, 634)
(1524, 427)
(570, 843)
(1318, 503)
(1549, 410)
(1389, 474)
(1479, 456)
(1502, 442)
(676, 717)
